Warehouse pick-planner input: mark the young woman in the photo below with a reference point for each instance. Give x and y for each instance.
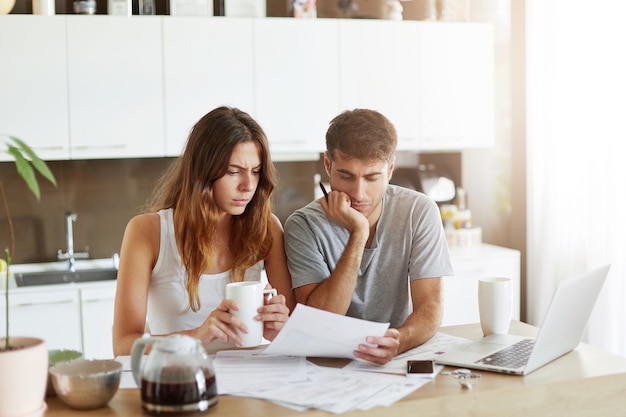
(209, 223)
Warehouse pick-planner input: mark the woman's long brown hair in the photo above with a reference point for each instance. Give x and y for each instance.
(187, 187)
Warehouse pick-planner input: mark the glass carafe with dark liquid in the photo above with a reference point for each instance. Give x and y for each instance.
(176, 377)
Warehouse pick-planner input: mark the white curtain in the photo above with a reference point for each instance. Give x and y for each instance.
(576, 135)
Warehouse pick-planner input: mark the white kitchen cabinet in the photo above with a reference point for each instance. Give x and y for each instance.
(51, 314)
(296, 83)
(456, 86)
(67, 316)
(208, 62)
(97, 307)
(83, 87)
(460, 292)
(115, 81)
(380, 70)
(33, 83)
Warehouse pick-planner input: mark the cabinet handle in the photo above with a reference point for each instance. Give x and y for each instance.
(70, 301)
(87, 147)
(48, 148)
(98, 300)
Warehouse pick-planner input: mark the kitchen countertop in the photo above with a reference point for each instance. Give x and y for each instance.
(586, 381)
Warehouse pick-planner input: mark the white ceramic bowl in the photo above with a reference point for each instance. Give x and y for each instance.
(86, 383)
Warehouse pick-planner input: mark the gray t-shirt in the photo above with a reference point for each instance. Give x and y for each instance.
(409, 244)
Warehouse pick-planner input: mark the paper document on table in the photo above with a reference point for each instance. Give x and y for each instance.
(314, 332)
(334, 390)
(240, 371)
(435, 346)
(127, 380)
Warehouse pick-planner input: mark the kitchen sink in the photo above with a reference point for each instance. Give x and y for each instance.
(48, 273)
(25, 279)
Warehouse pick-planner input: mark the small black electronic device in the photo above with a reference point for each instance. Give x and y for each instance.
(420, 368)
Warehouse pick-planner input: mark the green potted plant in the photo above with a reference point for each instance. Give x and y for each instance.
(23, 360)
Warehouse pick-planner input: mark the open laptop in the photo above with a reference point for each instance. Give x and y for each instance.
(562, 329)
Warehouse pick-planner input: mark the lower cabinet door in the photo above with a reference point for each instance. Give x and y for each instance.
(97, 308)
(51, 315)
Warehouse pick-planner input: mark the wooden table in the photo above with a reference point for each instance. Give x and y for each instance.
(585, 382)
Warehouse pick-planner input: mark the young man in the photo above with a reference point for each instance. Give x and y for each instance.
(370, 250)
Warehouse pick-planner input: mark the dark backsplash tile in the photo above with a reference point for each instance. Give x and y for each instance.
(106, 194)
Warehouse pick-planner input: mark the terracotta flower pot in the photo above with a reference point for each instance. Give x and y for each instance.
(23, 377)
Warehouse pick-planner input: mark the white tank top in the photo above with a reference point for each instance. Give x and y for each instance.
(167, 295)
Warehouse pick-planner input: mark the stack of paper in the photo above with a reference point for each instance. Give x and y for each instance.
(281, 373)
(296, 383)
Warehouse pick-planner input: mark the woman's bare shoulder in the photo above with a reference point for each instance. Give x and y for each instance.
(144, 220)
(145, 225)
(275, 224)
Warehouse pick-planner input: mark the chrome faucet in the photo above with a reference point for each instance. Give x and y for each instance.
(70, 255)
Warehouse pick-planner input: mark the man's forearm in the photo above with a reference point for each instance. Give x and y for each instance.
(335, 293)
(420, 326)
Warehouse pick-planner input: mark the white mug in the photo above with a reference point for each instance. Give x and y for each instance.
(494, 305)
(249, 297)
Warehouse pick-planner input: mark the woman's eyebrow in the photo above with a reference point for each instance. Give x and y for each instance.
(243, 167)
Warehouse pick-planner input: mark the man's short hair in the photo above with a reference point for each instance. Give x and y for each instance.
(362, 134)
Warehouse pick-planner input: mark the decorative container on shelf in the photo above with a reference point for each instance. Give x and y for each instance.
(6, 6)
(302, 8)
(85, 6)
(44, 7)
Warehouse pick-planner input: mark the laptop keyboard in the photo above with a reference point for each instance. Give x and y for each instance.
(512, 357)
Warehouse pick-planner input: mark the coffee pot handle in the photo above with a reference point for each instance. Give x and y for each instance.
(136, 354)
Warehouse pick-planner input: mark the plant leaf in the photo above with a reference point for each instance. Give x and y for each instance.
(35, 160)
(25, 171)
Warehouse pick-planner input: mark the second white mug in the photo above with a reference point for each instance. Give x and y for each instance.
(249, 297)
(494, 305)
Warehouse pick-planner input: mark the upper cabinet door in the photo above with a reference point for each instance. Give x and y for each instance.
(456, 86)
(296, 84)
(379, 70)
(115, 86)
(208, 62)
(33, 83)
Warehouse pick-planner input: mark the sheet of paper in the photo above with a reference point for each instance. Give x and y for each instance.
(438, 344)
(337, 390)
(127, 380)
(318, 333)
(236, 368)
(298, 384)
(240, 371)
